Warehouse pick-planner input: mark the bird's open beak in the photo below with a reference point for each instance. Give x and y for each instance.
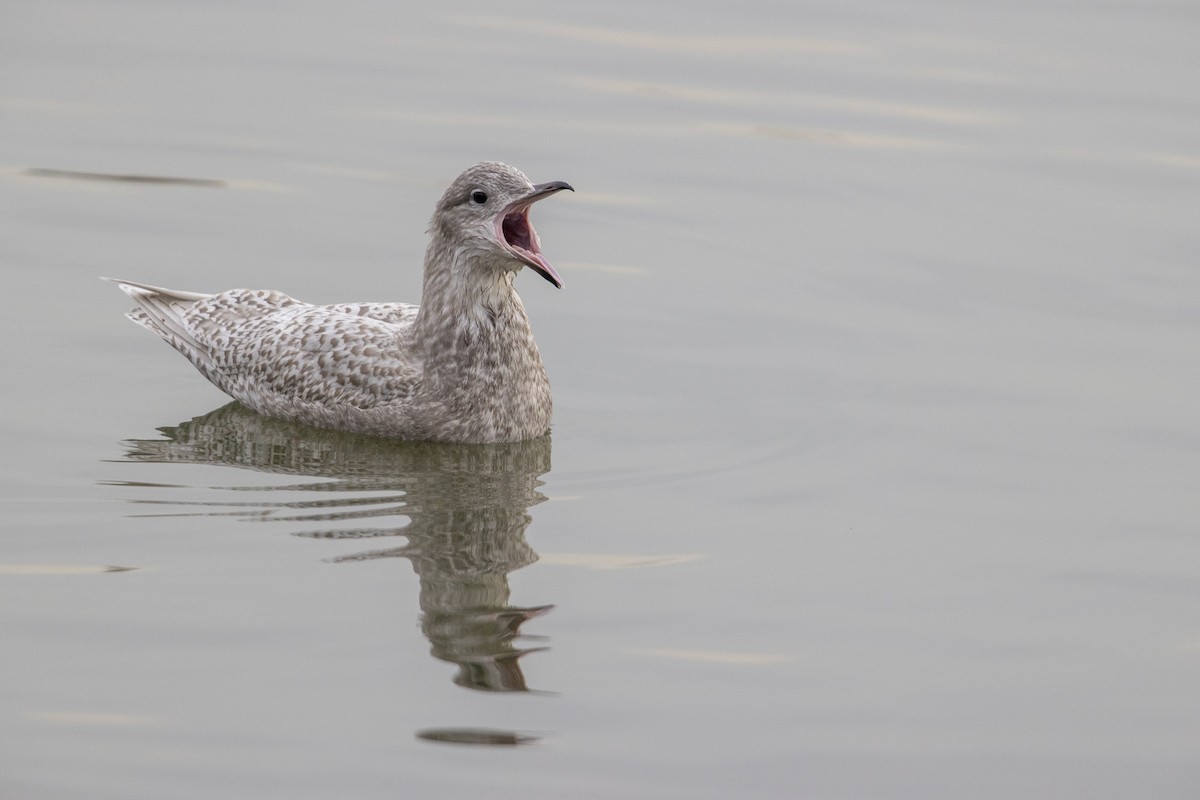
(516, 233)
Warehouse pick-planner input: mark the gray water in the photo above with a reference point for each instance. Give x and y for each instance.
(874, 466)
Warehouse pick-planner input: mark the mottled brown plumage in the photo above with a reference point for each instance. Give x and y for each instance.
(461, 367)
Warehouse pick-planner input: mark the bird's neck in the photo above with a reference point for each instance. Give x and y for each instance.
(468, 309)
(481, 371)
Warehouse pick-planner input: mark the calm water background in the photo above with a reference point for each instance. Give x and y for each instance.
(874, 465)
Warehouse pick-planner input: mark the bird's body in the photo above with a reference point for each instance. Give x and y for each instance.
(462, 367)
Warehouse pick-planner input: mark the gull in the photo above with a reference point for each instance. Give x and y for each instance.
(460, 367)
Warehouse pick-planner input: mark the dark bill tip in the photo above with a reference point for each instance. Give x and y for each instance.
(548, 272)
(543, 189)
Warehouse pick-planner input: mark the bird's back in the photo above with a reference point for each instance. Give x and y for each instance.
(280, 355)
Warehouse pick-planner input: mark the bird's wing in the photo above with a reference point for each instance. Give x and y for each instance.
(267, 344)
(260, 345)
(395, 313)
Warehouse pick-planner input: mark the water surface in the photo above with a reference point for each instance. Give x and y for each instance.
(875, 454)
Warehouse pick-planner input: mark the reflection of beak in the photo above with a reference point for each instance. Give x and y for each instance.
(516, 233)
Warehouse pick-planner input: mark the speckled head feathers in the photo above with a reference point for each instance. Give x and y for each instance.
(486, 210)
(498, 181)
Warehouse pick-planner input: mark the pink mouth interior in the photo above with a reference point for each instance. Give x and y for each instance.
(518, 232)
(522, 240)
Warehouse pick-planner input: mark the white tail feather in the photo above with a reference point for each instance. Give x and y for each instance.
(161, 311)
(129, 287)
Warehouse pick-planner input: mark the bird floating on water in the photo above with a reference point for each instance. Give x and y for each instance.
(461, 367)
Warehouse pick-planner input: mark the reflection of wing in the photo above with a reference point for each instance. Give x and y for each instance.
(435, 474)
(461, 509)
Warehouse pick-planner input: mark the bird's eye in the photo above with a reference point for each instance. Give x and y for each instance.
(479, 196)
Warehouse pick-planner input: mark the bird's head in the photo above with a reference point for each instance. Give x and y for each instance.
(486, 210)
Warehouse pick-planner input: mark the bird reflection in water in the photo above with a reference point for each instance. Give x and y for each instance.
(467, 507)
